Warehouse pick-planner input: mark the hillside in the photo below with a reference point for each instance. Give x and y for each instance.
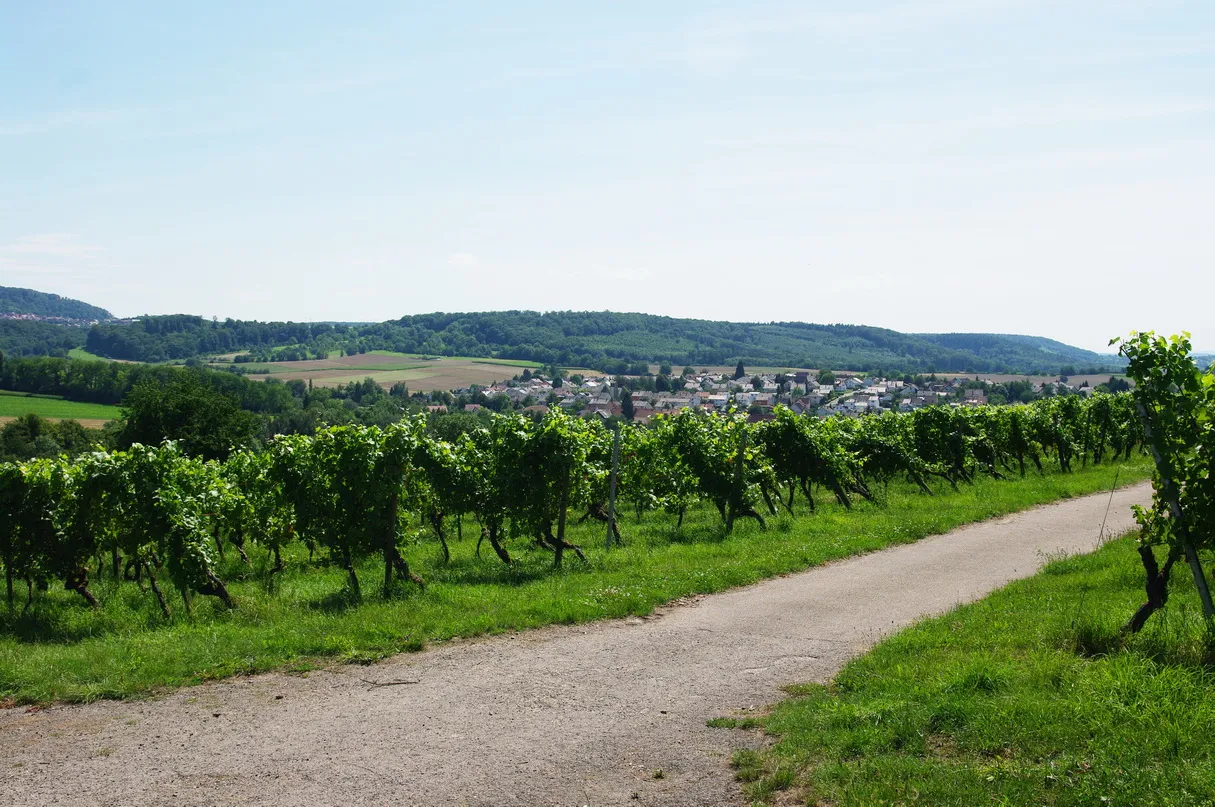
(40, 304)
(603, 340)
(1015, 349)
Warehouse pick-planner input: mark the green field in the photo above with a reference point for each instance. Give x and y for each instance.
(62, 650)
(84, 355)
(15, 404)
(1030, 696)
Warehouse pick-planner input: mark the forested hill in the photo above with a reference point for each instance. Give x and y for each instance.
(602, 340)
(27, 301)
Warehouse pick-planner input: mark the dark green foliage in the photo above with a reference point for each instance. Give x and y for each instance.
(109, 382)
(1115, 385)
(30, 436)
(27, 338)
(180, 336)
(207, 423)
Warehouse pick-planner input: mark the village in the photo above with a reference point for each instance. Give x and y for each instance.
(843, 394)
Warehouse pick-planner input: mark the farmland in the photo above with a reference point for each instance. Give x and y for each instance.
(15, 404)
(419, 373)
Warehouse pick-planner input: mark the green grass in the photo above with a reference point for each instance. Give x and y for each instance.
(1028, 697)
(81, 353)
(61, 650)
(15, 404)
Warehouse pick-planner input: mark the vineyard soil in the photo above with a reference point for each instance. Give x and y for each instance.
(610, 713)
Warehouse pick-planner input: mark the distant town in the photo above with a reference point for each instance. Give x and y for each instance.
(825, 395)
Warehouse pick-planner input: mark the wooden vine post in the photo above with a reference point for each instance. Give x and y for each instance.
(565, 500)
(611, 522)
(736, 495)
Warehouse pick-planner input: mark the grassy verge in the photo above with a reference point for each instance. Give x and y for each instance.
(15, 404)
(1029, 696)
(61, 650)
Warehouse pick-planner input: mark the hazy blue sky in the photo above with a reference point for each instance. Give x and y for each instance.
(945, 165)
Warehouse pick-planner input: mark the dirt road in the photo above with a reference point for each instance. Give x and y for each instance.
(562, 716)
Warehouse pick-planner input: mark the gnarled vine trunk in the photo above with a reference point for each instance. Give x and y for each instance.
(78, 581)
(1157, 586)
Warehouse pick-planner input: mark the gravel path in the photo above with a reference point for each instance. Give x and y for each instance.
(560, 716)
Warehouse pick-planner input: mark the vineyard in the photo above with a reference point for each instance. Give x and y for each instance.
(155, 518)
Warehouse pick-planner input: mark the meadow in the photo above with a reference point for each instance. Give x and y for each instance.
(304, 617)
(84, 355)
(15, 404)
(1030, 696)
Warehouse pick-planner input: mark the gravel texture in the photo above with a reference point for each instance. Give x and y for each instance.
(601, 714)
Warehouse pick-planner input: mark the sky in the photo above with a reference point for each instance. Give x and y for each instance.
(1003, 166)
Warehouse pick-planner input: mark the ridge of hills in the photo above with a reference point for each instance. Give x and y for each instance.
(610, 341)
(604, 340)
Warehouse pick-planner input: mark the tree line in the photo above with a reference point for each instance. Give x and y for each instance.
(608, 341)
